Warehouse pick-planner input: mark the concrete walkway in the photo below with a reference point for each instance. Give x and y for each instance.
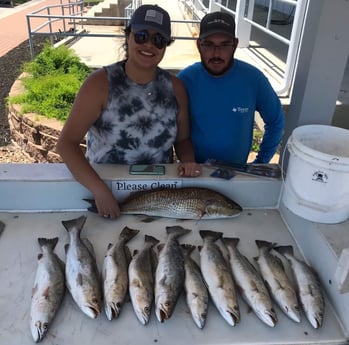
(13, 23)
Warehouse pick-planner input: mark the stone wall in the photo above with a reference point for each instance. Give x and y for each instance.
(35, 134)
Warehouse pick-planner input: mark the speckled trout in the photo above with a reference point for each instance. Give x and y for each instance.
(169, 275)
(279, 285)
(48, 290)
(81, 271)
(115, 273)
(250, 283)
(218, 277)
(195, 288)
(141, 271)
(309, 288)
(182, 203)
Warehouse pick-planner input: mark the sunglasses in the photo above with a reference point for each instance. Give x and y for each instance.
(144, 36)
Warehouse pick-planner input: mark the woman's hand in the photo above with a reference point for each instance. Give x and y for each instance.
(189, 169)
(106, 204)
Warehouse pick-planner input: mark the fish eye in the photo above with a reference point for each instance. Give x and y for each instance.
(45, 326)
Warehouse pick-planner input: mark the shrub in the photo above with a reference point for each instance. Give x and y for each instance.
(54, 78)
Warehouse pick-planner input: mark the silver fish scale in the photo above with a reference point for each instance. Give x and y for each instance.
(280, 286)
(170, 274)
(48, 291)
(309, 291)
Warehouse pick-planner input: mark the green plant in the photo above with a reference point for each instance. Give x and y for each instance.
(52, 82)
(257, 139)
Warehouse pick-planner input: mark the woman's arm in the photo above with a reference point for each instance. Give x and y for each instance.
(88, 105)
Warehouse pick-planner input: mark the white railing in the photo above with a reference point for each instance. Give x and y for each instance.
(242, 10)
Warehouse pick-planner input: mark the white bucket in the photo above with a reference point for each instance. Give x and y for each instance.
(317, 181)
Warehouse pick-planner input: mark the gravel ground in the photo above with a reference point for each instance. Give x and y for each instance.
(10, 68)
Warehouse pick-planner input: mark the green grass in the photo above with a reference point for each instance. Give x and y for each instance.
(52, 82)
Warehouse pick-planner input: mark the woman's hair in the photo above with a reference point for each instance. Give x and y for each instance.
(127, 32)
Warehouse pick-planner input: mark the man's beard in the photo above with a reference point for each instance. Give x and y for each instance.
(217, 73)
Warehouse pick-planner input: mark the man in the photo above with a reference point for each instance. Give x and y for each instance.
(224, 94)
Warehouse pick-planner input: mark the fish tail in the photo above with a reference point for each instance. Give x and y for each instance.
(231, 241)
(187, 248)
(77, 223)
(150, 239)
(177, 230)
(49, 242)
(127, 233)
(262, 243)
(284, 250)
(214, 235)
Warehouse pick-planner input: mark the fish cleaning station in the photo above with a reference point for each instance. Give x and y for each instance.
(302, 202)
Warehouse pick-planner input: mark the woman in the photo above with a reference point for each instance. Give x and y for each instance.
(132, 111)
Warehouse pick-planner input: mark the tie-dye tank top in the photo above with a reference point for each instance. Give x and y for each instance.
(139, 122)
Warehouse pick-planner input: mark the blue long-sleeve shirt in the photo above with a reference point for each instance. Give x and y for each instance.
(222, 113)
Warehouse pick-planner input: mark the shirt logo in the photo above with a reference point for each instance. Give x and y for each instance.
(240, 110)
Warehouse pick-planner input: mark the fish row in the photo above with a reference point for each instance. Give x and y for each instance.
(159, 278)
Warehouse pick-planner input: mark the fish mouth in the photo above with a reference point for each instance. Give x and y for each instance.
(235, 316)
(91, 311)
(200, 321)
(268, 317)
(293, 315)
(39, 331)
(315, 321)
(163, 314)
(113, 310)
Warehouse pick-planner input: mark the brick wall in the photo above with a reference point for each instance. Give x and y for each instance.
(35, 134)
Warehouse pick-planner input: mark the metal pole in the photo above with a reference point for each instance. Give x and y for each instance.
(30, 37)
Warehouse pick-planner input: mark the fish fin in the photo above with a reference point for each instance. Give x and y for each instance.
(149, 219)
(74, 223)
(284, 249)
(210, 234)
(89, 246)
(177, 230)
(93, 208)
(50, 242)
(187, 249)
(150, 239)
(231, 241)
(46, 292)
(127, 234)
(262, 243)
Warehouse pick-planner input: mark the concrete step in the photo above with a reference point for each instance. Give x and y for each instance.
(107, 8)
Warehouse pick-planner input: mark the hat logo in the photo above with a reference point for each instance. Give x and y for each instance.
(220, 21)
(154, 16)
